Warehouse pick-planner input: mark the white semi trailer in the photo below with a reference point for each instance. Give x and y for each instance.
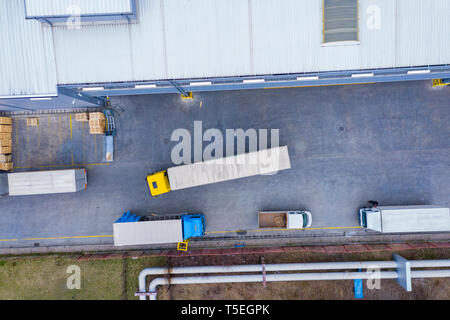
(267, 161)
(43, 182)
(393, 219)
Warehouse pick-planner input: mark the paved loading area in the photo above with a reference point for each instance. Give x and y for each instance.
(348, 144)
(56, 141)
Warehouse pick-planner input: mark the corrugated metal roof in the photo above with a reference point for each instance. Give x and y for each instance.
(45, 8)
(172, 39)
(99, 53)
(176, 39)
(423, 32)
(27, 64)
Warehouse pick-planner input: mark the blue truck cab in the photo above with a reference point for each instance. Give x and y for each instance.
(193, 225)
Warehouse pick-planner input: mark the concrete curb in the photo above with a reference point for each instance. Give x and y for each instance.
(351, 248)
(214, 247)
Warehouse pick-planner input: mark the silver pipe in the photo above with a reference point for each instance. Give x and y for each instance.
(258, 268)
(291, 277)
(281, 267)
(429, 263)
(269, 278)
(430, 274)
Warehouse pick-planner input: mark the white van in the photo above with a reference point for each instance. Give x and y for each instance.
(393, 219)
(43, 182)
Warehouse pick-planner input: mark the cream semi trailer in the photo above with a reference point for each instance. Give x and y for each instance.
(262, 162)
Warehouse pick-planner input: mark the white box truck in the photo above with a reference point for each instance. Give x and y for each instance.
(268, 161)
(131, 229)
(394, 219)
(43, 182)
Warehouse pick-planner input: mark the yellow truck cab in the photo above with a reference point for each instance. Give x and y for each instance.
(158, 183)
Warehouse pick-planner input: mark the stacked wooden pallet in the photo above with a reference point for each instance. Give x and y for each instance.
(97, 123)
(6, 144)
(32, 122)
(83, 116)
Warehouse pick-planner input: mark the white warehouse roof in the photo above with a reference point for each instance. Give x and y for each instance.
(176, 39)
(27, 62)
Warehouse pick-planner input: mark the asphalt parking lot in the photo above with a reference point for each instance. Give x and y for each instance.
(57, 141)
(348, 144)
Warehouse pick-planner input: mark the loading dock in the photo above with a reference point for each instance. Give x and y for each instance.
(56, 141)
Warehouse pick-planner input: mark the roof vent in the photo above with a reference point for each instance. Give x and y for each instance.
(340, 20)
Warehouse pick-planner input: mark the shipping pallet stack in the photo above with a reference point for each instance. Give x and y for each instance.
(6, 144)
(97, 121)
(84, 117)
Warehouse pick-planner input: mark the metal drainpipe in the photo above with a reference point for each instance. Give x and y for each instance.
(281, 267)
